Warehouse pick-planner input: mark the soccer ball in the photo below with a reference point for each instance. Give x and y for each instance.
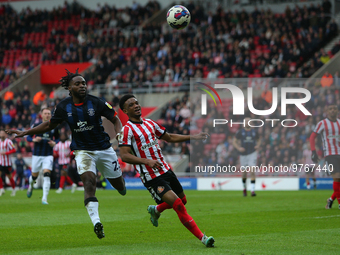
(178, 17)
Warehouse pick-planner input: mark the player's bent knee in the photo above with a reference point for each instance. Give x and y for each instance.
(184, 200)
(178, 205)
(47, 174)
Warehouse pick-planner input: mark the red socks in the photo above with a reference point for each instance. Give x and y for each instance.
(62, 181)
(336, 193)
(186, 219)
(163, 206)
(12, 183)
(10, 180)
(69, 180)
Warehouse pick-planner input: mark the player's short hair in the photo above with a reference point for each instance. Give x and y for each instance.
(124, 99)
(45, 108)
(65, 80)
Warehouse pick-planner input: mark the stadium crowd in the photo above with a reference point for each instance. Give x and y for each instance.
(235, 44)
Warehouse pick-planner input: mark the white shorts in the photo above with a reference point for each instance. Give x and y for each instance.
(41, 162)
(105, 161)
(248, 160)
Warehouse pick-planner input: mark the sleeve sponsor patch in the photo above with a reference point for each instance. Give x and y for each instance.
(108, 105)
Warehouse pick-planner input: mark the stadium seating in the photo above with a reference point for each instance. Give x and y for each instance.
(64, 44)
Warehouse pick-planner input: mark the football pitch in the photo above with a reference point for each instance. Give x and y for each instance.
(274, 222)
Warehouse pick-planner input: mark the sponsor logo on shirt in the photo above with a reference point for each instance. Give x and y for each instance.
(83, 127)
(334, 137)
(149, 145)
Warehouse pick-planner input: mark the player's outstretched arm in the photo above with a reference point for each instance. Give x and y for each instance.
(176, 138)
(126, 156)
(117, 125)
(42, 128)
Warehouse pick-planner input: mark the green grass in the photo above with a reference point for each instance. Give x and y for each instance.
(291, 222)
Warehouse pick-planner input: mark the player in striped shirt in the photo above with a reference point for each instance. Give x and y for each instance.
(42, 156)
(329, 129)
(90, 143)
(6, 148)
(140, 136)
(62, 151)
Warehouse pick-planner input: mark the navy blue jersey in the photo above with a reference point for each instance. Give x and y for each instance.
(248, 140)
(42, 148)
(85, 122)
(20, 165)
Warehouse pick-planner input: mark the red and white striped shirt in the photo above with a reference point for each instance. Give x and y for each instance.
(64, 151)
(330, 133)
(6, 146)
(143, 137)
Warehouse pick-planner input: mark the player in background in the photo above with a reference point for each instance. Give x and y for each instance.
(90, 143)
(6, 149)
(247, 142)
(308, 166)
(63, 152)
(141, 137)
(20, 166)
(329, 129)
(42, 155)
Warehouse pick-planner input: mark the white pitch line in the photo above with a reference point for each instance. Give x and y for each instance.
(332, 216)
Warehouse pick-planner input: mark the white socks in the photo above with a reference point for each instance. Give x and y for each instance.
(46, 187)
(252, 187)
(92, 210)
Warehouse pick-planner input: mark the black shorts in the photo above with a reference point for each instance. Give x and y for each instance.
(309, 170)
(162, 184)
(333, 163)
(63, 167)
(6, 169)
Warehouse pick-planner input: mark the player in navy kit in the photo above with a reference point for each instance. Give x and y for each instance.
(91, 145)
(43, 156)
(247, 141)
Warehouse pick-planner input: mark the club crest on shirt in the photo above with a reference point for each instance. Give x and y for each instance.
(108, 105)
(91, 112)
(120, 137)
(160, 189)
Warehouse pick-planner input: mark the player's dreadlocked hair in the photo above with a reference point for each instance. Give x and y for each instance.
(65, 80)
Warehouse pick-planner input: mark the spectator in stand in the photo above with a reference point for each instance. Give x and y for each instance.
(39, 97)
(326, 80)
(324, 57)
(84, 46)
